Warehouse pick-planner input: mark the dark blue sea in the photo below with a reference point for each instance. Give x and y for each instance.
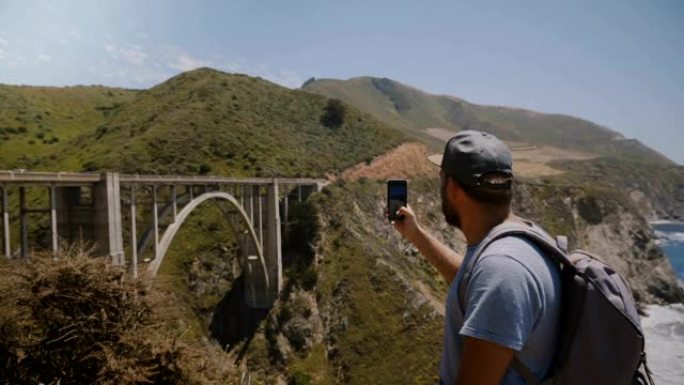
(671, 240)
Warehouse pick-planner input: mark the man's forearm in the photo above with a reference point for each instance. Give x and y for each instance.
(444, 259)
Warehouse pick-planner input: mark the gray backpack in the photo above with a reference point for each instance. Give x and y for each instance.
(601, 341)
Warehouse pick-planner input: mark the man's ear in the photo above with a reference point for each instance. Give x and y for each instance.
(454, 190)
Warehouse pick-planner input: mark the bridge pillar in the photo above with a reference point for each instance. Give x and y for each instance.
(304, 191)
(286, 217)
(106, 219)
(23, 222)
(6, 223)
(73, 218)
(256, 291)
(258, 294)
(273, 242)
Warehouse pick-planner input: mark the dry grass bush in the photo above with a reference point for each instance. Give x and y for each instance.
(79, 320)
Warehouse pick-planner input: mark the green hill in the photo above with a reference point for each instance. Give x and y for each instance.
(206, 121)
(413, 111)
(35, 120)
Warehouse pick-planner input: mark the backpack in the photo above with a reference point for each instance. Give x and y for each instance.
(600, 341)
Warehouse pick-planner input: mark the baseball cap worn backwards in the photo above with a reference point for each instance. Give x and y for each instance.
(471, 154)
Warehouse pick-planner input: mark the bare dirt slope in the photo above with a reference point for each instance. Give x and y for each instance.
(410, 160)
(404, 161)
(528, 160)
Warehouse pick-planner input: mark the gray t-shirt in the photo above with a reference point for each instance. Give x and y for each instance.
(513, 300)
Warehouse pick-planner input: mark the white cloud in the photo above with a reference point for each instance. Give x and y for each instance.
(128, 75)
(282, 76)
(51, 5)
(73, 33)
(286, 78)
(12, 60)
(43, 58)
(185, 62)
(131, 53)
(136, 65)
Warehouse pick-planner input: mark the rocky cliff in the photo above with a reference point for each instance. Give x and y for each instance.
(610, 225)
(375, 312)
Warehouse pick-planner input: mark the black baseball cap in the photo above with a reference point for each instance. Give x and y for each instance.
(471, 154)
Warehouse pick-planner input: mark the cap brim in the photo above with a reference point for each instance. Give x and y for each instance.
(436, 159)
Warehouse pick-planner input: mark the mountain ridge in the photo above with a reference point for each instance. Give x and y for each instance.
(209, 121)
(413, 110)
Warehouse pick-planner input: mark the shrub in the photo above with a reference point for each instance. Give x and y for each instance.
(590, 210)
(285, 314)
(334, 114)
(299, 378)
(101, 131)
(309, 278)
(80, 320)
(204, 169)
(89, 166)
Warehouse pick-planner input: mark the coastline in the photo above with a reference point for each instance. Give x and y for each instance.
(664, 325)
(670, 238)
(664, 331)
(666, 222)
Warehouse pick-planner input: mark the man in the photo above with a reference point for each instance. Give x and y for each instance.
(512, 298)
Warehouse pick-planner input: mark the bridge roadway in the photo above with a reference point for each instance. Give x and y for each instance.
(88, 206)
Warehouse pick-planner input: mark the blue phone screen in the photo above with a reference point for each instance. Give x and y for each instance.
(398, 192)
(397, 198)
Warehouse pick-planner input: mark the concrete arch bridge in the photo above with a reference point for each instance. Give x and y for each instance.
(90, 206)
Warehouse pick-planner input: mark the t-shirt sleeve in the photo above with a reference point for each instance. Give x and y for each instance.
(502, 302)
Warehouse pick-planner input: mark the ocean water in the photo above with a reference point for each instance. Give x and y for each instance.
(664, 330)
(671, 240)
(664, 327)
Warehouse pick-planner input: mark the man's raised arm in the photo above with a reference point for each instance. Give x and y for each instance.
(445, 260)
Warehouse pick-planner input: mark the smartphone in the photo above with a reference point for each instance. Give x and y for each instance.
(397, 192)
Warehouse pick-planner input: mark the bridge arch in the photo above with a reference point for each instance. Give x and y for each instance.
(173, 228)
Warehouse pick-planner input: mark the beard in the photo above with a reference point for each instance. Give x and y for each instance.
(450, 214)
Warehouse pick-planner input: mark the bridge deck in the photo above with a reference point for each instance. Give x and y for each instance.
(73, 178)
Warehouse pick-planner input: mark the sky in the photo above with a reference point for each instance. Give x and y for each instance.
(617, 63)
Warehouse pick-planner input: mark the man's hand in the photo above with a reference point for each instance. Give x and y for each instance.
(445, 260)
(409, 228)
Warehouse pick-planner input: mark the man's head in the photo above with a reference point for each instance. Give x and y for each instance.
(476, 171)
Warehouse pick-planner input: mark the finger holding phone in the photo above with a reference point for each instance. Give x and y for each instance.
(400, 213)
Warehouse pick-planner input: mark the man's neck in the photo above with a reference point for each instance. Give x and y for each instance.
(477, 225)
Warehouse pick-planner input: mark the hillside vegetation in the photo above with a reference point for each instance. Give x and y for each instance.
(209, 122)
(34, 121)
(585, 153)
(415, 111)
